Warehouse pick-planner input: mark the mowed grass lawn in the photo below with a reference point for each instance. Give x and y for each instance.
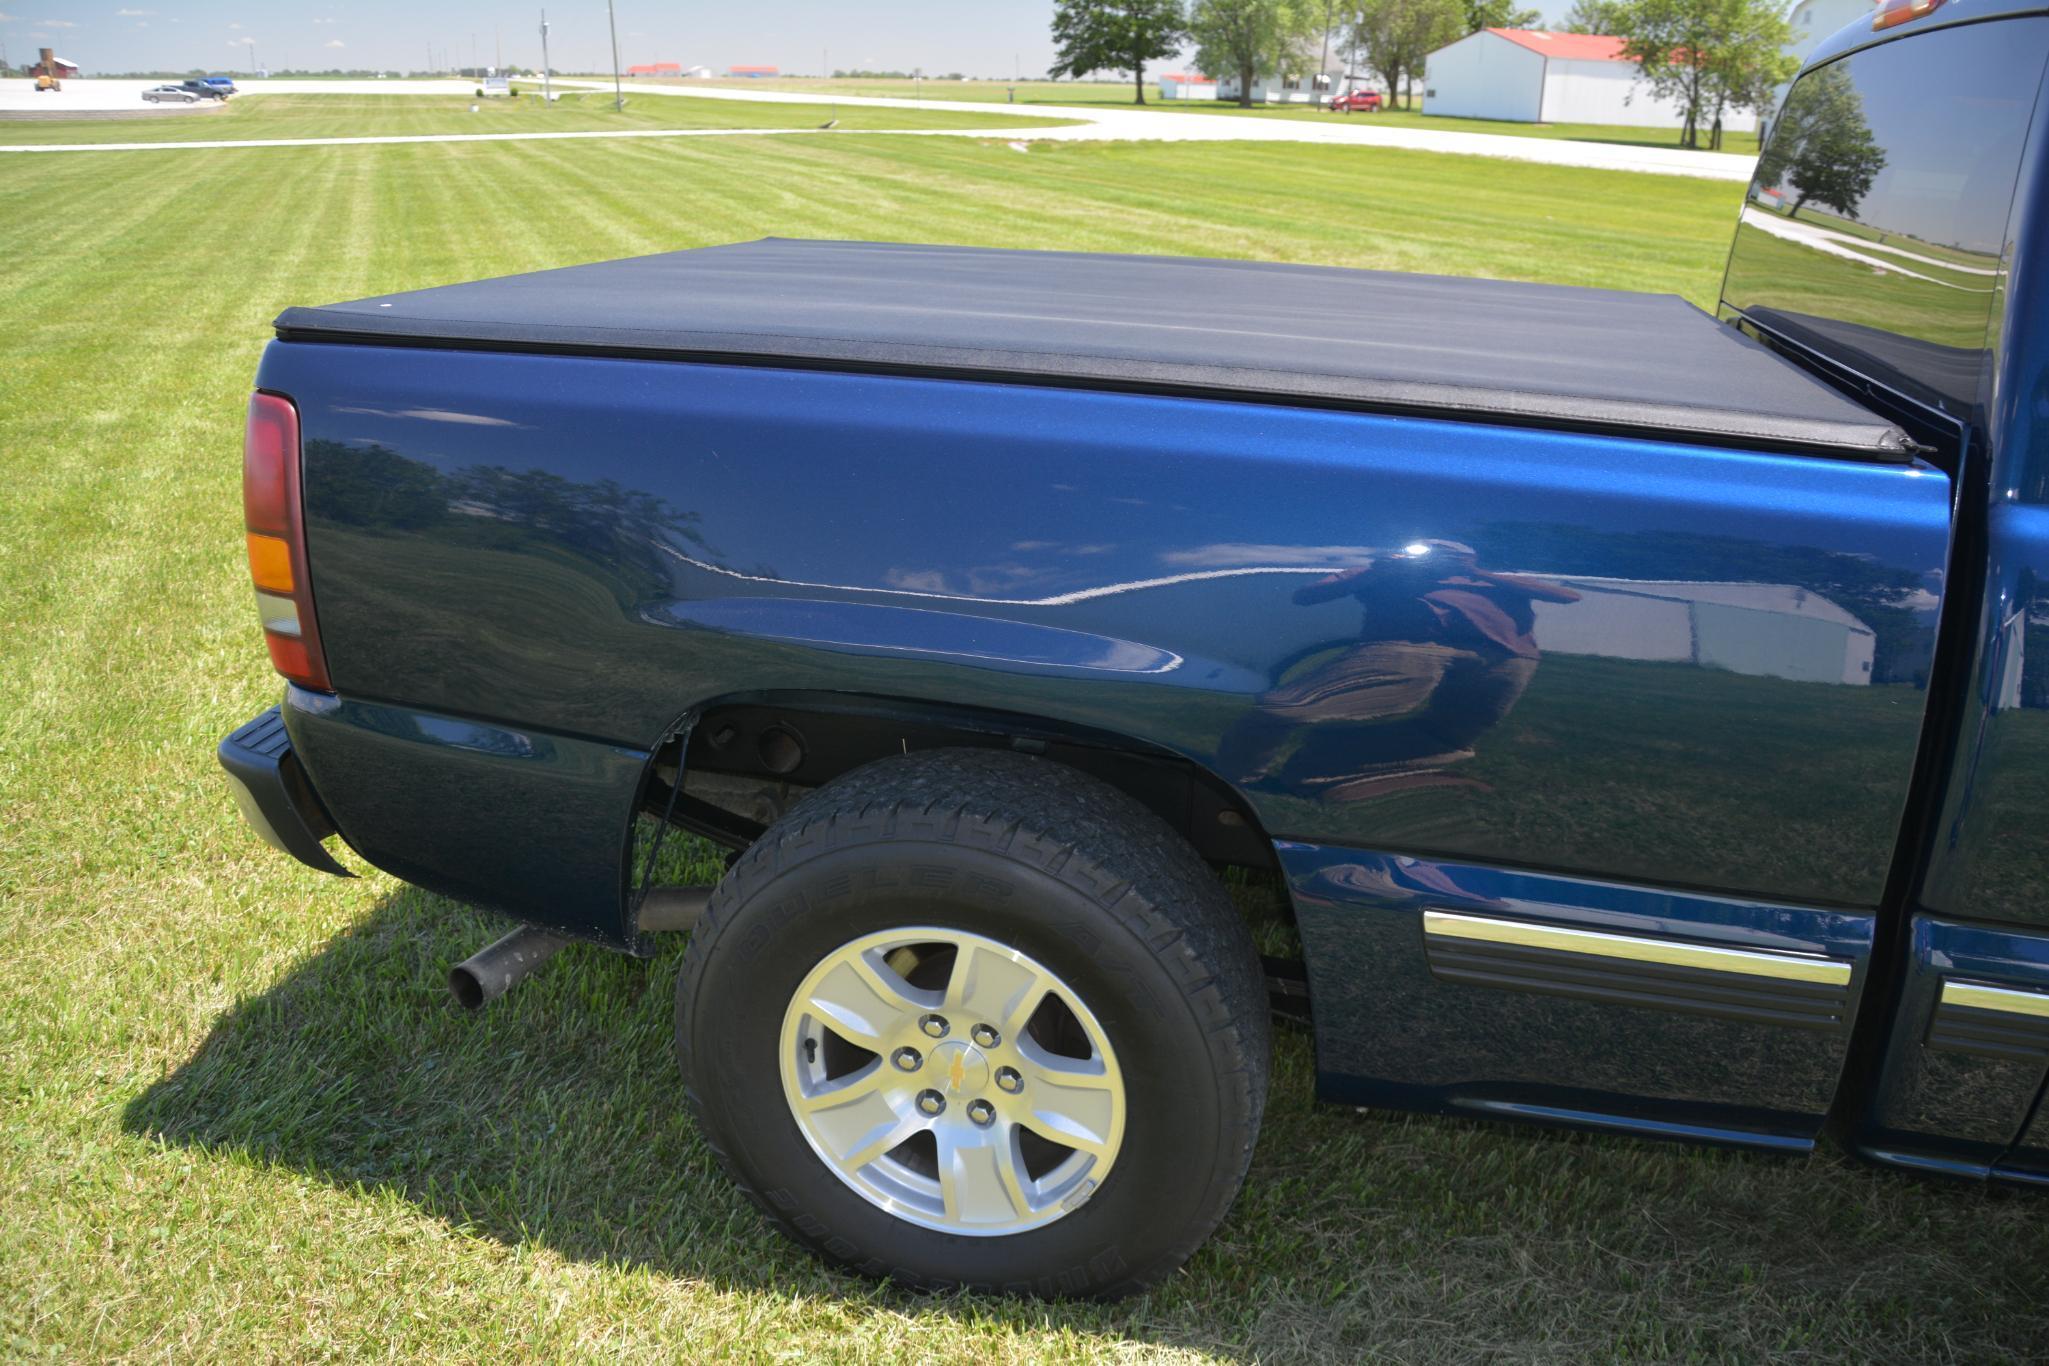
(239, 1117)
(323, 116)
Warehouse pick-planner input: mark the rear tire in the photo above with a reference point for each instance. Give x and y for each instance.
(966, 884)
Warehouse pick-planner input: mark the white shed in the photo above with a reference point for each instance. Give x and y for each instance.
(1531, 76)
(1771, 630)
(1187, 85)
(1814, 20)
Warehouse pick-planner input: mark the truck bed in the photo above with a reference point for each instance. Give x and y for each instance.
(1433, 345)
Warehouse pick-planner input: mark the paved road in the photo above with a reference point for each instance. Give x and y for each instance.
(1091, 124)
(1129, 125)
(95, 95)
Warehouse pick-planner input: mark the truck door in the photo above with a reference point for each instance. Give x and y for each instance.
(1682, 936)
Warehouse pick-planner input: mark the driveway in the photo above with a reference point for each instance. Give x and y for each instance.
(1099, 124)
(1089, 124)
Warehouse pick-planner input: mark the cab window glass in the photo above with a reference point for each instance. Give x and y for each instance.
(1873, 227)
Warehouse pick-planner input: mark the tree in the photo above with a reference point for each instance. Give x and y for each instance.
(1747, 66)
(1240, 37)
(1595, 16)
(1823, 149)
(1707, 55)
(1499, 14)
(1396, 35)
(1115, 35)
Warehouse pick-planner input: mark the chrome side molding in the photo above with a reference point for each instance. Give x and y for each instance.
(1983, 996)
(1757, 986)
(1992, 1022)
(1780, 963)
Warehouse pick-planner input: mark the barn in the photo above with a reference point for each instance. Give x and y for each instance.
(1532, 76)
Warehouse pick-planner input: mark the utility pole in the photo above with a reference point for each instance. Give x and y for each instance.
(546, 96)
(618, 95)
(1323, 64)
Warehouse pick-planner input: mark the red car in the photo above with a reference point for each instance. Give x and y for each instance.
(1363, 101)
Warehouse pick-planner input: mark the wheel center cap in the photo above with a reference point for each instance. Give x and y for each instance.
(962, 1069)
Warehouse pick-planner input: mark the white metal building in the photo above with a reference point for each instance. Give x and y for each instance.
(1307, 86)
(1531, 76)
(1773, 630)
(1814, 20)
(1186, 85)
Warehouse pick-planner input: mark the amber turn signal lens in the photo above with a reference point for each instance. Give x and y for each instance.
(1898, 12)
(270, 562)
(275, 528)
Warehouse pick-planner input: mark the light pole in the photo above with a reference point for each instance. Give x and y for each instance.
(545, 95)
(1323, 63)
(618, 95)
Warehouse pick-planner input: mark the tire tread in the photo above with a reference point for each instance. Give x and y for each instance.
(1091, 837)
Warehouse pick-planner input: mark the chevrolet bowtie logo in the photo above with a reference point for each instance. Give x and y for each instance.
(957, 1073)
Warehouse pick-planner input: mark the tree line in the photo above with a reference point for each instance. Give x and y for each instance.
(1712, 57)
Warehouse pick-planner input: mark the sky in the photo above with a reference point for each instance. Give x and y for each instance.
(978, 37)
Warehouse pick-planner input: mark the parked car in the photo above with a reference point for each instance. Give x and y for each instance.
(1357, 101)
(223, 84)
(171, 94)
(1637, 710)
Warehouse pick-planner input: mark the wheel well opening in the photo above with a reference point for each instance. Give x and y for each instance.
(746, 761)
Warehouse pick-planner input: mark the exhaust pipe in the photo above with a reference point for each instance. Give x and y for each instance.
(492, 971)
(670, 910)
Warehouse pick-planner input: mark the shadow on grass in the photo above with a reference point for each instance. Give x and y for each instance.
(555, 1118)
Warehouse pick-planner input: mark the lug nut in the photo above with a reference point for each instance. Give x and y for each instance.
(931, 1103)
(934, 1025)
(1008, 1079)
(985, 1035)
(982, 1112)
(907, 1059)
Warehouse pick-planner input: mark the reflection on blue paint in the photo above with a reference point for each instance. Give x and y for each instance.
(914, 631)
(1514, 646)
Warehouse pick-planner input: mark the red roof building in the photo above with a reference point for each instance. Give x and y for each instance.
(1522, 75)
(1571, 47)
(656, 69)
(755, 72)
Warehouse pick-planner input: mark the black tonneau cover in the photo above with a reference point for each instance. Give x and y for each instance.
(1483, 349)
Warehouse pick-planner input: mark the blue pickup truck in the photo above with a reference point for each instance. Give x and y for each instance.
(1631, 705)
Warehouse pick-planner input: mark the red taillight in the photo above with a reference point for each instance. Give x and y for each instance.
(277, 540)
(1896, 12)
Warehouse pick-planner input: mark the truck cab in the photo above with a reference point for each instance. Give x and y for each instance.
(1896, 240)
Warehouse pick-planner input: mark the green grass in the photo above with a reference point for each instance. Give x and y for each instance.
(1097, 94)
(238, 1118)
(315, 116)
